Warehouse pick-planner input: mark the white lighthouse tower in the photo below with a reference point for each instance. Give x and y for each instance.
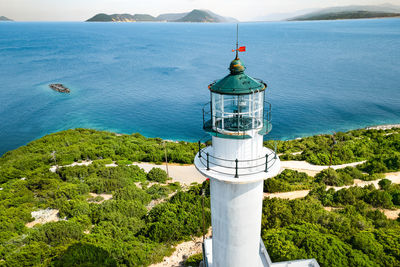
(237, 164)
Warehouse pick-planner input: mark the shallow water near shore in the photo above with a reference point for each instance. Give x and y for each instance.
(152, 78)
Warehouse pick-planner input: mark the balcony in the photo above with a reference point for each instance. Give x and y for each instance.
(260, 168)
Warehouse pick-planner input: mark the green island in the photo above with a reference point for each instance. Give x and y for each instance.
(124, 216)
(349, 15)
(196, 15)
(3, 18)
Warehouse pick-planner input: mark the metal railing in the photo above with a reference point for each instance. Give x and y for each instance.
(236, 122)
(236, 167)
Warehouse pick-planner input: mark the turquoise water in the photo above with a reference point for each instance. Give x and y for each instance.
(152, 78)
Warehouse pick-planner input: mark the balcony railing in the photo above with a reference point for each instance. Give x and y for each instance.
(237, 167)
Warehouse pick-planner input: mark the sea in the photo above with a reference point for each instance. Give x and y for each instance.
(152, 78)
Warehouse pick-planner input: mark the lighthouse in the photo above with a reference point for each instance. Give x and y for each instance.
(237, 163)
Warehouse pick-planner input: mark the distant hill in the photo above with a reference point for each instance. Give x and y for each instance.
(351, 12)
(195, 15)
(2, 18)
(114, 17)
(198, 15)
(348, 15)
(171, 16)
(122, 17)
(143, 17)
(221, 18)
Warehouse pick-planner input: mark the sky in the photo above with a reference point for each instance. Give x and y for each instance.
(243, 10)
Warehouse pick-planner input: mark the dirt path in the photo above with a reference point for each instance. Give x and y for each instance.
(310, 169)
(184, 174)
(288, 195)
(187, 174)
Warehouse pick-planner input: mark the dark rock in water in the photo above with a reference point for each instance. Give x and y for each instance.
(59, 88)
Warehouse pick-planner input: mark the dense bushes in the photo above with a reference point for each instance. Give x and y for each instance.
(331, 177)
(386, 197)
(311, 241)
(83, 254)
(94, 232)
(177, 219)
(288, 180)
(117, 232)
(380, 148)
(194, 260)
(128, 231)
(65, 147)
(352, 236)
(157, 175)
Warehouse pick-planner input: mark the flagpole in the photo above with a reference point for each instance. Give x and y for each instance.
(237, 40)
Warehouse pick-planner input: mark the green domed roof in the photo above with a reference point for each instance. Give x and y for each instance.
(237, 82)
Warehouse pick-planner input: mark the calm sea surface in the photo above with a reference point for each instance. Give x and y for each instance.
(152, 78)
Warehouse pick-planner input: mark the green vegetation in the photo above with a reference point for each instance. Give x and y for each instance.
(355, 235)
(132, 230)
(101, 18)
(70, 146)
(380, 148)
(117, 232)
(194, 260)
(331, 177)
(291, 180)
(123, 231)
(157, 175)
(288, 180)
(385, 197)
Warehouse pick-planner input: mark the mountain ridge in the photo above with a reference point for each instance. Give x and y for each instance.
(3, 18)
(351, 12)
(196, 15)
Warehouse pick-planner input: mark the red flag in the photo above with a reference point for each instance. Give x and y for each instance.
(242, 49)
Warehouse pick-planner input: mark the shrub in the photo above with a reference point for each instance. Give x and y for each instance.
(384, 184)
(157, 175)
(194, 260)
(331, 177)
(82, 254)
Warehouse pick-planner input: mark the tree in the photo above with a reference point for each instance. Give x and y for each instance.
(384, 184)
(157, 175)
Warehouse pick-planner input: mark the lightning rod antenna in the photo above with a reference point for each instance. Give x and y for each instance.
(237, 40)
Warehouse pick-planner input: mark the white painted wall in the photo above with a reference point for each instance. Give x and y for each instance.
(242, 149)
(236, 220)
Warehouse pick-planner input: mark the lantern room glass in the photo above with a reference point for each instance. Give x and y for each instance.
(237, 113)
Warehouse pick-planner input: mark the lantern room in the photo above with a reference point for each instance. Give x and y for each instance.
(237, 108)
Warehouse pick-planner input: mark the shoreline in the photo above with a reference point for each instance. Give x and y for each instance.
(372, 127)
(170, 140)
(382, 127)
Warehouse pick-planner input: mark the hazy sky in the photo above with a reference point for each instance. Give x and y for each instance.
(78, 10)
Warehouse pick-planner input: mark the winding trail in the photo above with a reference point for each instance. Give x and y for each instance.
(187, 174)
(312, 170)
